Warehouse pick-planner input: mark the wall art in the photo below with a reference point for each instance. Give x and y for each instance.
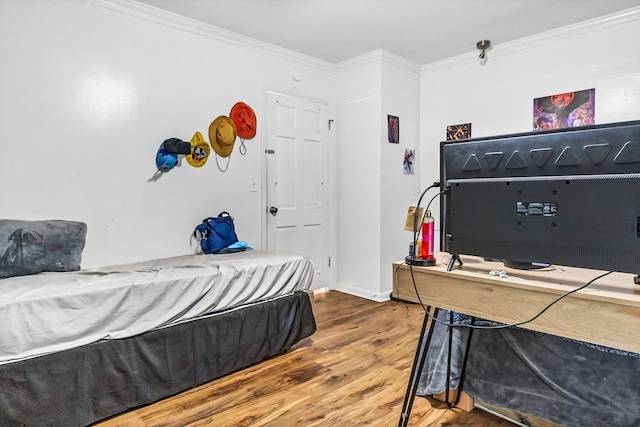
(564, 110)
(462, 131)
(408, 164)
(393, 126)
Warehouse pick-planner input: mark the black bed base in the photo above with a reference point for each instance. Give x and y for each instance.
(81, 386)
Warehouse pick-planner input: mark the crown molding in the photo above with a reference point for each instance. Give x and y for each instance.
(181, 23)
(596, 24)
(377, 56)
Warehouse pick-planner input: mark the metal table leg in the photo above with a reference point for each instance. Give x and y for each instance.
(418, 365)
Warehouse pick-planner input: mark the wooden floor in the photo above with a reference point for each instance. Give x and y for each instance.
(352, 372)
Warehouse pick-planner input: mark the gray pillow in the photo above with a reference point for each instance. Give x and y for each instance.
(31, 247)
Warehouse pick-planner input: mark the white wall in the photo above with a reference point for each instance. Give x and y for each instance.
(88, 92)
(358, 168)
(373, 194)
(497, 97)
(400, 85)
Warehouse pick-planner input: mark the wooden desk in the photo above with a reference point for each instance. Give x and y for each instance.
(606, 313)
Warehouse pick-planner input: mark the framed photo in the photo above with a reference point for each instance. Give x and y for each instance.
(393, 127)
(462, 131)
(564, 110)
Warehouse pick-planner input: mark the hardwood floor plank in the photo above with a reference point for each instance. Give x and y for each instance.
(353, 371)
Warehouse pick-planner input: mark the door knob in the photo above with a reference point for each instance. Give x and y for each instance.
(273, 210)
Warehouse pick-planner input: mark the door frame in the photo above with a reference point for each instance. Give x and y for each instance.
(332, 180)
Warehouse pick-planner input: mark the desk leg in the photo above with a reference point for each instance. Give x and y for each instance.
(418, 365)
(464, 362)
(449, 351)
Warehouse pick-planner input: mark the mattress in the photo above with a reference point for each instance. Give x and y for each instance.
(51, 312)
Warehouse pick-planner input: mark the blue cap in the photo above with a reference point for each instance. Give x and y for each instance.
(165, 161)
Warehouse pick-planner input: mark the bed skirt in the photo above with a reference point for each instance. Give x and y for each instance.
(80, 386)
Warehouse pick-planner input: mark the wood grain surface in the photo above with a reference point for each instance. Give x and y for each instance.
(605, 313)
(353, 371)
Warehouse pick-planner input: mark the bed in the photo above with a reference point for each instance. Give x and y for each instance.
(78, 346)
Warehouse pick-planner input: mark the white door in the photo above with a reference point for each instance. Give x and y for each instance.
(297, 181)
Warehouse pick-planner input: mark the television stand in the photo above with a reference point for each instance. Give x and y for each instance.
(520, 265)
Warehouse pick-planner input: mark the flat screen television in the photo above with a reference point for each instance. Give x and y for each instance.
(568, 197)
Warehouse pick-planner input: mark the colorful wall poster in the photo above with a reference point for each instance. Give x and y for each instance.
(393, 125)
(408, 165)
(564, 110)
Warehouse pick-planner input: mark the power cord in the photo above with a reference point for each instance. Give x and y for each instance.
(426, 308)
(503, 326)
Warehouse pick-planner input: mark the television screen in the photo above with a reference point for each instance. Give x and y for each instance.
(568, 197)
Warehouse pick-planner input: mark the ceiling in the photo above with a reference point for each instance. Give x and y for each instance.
(422, 31)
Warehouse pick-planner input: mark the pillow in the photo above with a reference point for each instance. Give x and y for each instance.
(32, 247)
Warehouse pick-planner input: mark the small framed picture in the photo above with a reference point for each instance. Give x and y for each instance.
(462, 131)
(393, 125)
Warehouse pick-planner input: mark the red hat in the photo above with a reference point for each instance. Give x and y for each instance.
(245, 120)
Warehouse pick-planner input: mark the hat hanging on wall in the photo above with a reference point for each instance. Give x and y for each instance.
(199, 151)
(222, 136)
(164, 162)
(244, 118)
(176, 146)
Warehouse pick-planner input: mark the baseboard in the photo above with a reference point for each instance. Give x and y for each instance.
(364, 293)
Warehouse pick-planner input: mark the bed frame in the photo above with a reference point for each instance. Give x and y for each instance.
(83, 385)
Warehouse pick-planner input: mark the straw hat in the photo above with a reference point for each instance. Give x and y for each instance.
(222, 135)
